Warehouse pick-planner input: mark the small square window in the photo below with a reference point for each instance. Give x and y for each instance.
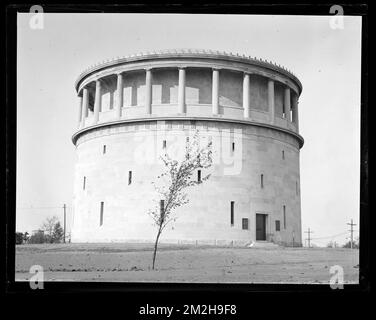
(245, 223)
(277, 225)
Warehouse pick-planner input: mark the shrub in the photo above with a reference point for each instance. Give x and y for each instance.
(37, 237)
(19, 237)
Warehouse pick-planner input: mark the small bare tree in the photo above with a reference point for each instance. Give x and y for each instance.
(175, 179)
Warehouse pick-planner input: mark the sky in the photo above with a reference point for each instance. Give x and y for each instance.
(326, 60)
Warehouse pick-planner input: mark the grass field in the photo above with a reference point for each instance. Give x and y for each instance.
(185, 263)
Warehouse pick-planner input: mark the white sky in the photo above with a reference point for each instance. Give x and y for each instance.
(327, 61)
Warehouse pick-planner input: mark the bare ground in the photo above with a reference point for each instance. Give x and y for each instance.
(185, 263)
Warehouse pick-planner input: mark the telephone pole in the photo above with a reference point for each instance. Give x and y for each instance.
(64, 207)
(309, 237)
(352, 232)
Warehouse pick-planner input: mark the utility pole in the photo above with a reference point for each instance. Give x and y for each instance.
(352, 232)
(64, 207)
(309, 237)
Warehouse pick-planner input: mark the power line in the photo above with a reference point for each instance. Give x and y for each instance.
(327, 237)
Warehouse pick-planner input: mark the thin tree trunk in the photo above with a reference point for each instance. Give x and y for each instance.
(156, 246)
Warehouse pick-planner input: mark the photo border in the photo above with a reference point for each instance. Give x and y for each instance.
(81, 287)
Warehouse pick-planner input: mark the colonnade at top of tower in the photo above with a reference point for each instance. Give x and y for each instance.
(177, 90)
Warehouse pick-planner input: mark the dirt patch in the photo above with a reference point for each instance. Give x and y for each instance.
(185, 263)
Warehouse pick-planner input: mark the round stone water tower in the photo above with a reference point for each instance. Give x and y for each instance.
(133, 108)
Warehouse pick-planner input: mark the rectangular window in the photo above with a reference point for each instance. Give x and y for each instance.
(283, 154)
(284, 217)
(199, 175)
(164, 144)
(296, 187)
(277, 225)
(187, 148)
(129, 177)
(84, 184)
(161, 204)
(245, 223)
(233, 146)
(232, 213)
(101, 216)
(104, 149)
(262, 181)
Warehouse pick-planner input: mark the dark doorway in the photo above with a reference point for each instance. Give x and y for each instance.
(260, 227)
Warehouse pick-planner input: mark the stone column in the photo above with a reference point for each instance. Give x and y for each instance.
(98, 100)
(79, 110)
(119, 104)
(287, 104)
(295, 113)
(246, 106)
(148, 91)
(85, 105)
(271, 100)
(215, 91)
(181, 92)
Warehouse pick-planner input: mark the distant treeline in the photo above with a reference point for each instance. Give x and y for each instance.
(50, 232)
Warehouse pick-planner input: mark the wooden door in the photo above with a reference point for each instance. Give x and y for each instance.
(260, 227)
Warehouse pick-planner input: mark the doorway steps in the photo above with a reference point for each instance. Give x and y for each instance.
(263, 244)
